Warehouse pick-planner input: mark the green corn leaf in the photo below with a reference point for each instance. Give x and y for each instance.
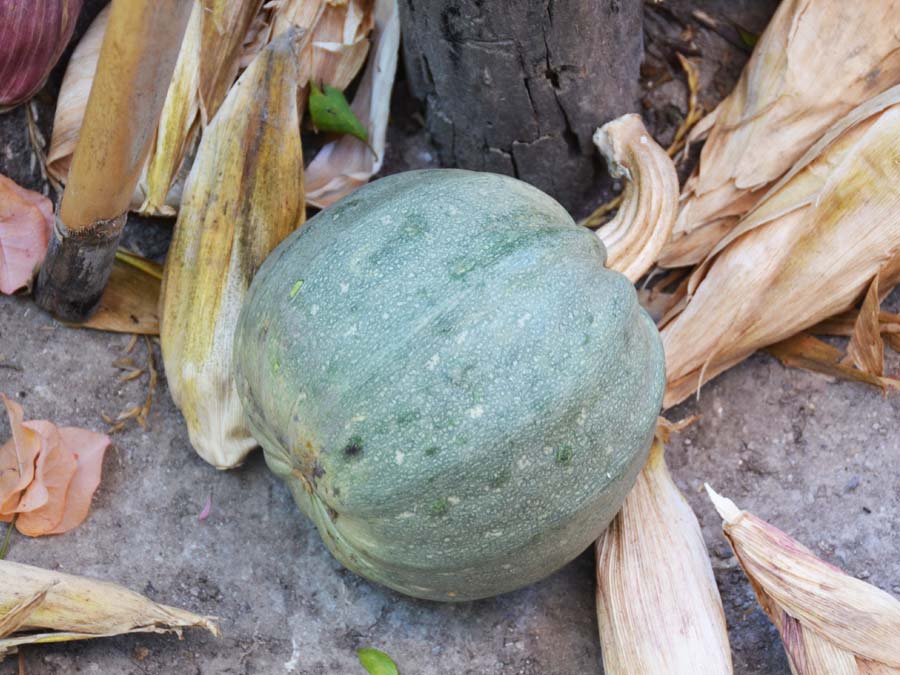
(376, 662)
(330, 112)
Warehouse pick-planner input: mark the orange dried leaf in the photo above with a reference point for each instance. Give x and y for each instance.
(866, 347)
(48, 475)
(17, 458)
(26, 219)
(53, 473)
(88, 448)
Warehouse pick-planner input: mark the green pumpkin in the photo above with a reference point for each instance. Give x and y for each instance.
(456, 389)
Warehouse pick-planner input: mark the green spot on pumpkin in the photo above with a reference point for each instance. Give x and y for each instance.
(296, 288)
(439, 507)
(501, 479)
(407, 417)
(564, 454)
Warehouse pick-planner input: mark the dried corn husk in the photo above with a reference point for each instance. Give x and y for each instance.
(207, 66)
(339, 42)
(73, 95)
(343, 165)
(243, 196)
(809, 250)
(830, 622)
(658, 606)
(789, 93)
(221, 36)
(42, 606)
(641, 226)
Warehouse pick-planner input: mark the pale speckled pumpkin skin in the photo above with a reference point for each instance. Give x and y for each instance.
(458, 393)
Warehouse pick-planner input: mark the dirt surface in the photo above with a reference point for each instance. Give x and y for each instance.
(817, 458)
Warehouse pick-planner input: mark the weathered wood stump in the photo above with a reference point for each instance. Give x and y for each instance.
(518, 86)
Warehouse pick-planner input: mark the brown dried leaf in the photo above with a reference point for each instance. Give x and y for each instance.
(808, 352)
(866, 348)
(130, 303)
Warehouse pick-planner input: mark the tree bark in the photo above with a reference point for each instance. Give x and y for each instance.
(518, 87)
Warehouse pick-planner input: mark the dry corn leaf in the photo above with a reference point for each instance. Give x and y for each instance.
(340, 42)
(782, 101)
(39, 606)
(178, 124)
(658, 606)
(243, 196)
(49, 475)
(224, 27)
(843, 324)
(866, 348)
(130, 303)
(808, 352)
(207, 66)
(830, 622)
(26, 219)
(345, 164)
(641, 226)
(808, 251)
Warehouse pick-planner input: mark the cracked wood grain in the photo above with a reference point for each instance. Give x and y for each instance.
(518, 87)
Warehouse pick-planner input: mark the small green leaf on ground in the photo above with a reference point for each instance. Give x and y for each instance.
(748, 38)
(376, 662)
(330, 112)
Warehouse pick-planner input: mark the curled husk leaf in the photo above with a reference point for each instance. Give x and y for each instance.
(39, 606)
(343, 165)
(658, 606)
(643, 223)
(33, 35)
(830, 622)
(243, 196)
(783, 102)
(810, 249)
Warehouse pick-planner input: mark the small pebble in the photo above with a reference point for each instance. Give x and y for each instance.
(852, 484)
